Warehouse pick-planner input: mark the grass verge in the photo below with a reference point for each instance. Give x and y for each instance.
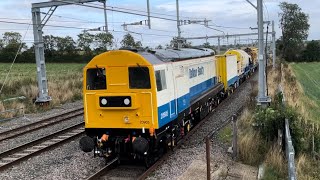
(64, 84)
(225, 135)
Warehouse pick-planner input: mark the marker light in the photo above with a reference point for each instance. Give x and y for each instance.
(126, 101)
(104, 101)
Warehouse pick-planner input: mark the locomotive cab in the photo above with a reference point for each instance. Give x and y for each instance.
(119, 98)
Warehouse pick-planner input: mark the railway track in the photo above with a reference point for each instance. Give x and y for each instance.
(35, 147)
(147, 172)
(105, 170)
(40, 124)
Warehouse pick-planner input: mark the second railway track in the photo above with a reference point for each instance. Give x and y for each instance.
(27, 150)
(12, 133)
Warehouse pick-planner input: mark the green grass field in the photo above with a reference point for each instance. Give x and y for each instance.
(64, 83)
(308, 74)
(54, 71)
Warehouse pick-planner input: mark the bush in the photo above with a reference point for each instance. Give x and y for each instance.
(270, 119)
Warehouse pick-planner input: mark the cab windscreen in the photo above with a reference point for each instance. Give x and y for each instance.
(139, 78)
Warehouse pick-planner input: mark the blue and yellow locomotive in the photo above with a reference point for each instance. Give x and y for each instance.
(138, 104)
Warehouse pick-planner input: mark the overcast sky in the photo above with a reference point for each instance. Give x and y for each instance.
(237, 14)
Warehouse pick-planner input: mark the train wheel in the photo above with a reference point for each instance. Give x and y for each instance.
(148, 161)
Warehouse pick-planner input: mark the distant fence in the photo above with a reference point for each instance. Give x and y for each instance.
(290, 153)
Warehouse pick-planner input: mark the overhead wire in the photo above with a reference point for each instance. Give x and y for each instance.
(115, 10)
(72, 27)
(22, 23)
(19, 29)
(227, 27)
(81, 20)
(53, 20)
(160, 30)
(136, 10)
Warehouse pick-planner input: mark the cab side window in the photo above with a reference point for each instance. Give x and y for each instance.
(161, 80)
(96, 79)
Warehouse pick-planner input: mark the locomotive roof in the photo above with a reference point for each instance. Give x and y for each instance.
(171, 55)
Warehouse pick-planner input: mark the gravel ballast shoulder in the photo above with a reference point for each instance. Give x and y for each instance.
(65, 162)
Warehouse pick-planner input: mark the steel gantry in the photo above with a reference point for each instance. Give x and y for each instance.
(263, 99)
(219, 37)
(38, 24)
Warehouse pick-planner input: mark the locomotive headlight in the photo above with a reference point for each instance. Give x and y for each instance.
(126, 101)
(104, 101)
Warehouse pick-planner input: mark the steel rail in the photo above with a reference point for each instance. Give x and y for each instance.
(40, 124)
(102, 171)
(33, 148)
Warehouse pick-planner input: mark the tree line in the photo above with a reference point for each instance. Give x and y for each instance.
(83, 49)
(62, 49)
(293, 45)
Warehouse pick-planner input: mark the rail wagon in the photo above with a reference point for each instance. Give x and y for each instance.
(244, 62)
(227, 70)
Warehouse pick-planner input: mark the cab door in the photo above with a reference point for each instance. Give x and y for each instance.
(167, 103)
(172, 92)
